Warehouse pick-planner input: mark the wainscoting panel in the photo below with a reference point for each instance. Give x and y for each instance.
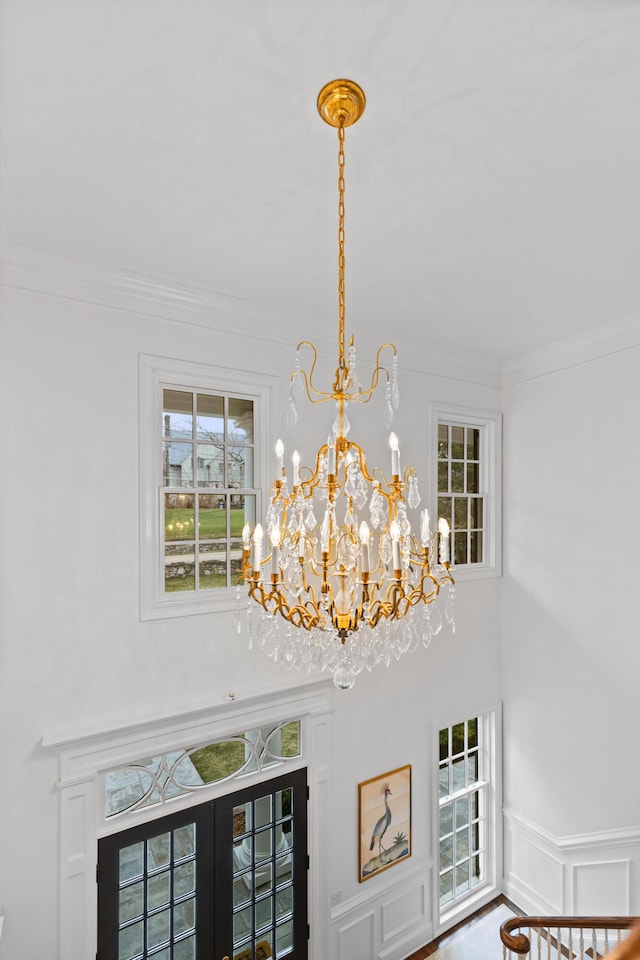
(356, 939)
(399, 913)
(587, 874)
(534, 868)
(602, 888)
(385, 923)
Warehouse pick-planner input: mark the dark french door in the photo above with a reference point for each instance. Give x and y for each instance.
(225, 879)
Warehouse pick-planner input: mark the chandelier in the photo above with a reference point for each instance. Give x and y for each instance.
(340, 579)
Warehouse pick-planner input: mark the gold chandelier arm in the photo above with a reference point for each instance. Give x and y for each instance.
(308, 377)
(365, 395)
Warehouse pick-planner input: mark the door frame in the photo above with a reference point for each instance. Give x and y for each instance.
(82, 762)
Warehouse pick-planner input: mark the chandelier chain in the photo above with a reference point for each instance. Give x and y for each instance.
(341, 297)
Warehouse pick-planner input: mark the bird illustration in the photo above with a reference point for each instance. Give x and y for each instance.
(382, 825)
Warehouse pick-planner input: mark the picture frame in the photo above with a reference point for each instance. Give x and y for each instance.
(384, 822)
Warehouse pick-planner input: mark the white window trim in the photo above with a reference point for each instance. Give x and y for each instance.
(491, 717)
(83, 759)
(490, 424)
(156, 372)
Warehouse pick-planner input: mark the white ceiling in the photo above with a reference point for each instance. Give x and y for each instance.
(493, 183)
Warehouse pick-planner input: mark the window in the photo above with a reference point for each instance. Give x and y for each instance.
(460, 501)
(201, 471)
(205, 509)
(462, 834)
(467, 833)
(467, 484)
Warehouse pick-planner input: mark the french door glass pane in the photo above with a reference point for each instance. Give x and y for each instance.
(156, 896)
(264, 855)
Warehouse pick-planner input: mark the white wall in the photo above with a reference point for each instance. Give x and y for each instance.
(570, 656)
(74, 654)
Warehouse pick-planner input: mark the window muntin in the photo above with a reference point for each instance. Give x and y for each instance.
(460, 498)
(207, 445)
(463, 811)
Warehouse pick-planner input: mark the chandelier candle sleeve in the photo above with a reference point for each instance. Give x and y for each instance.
(257, 548)
(365, 534)
(394, 532)
(443, 529)
(395, 455)
(425, 533)
(295, 460)
(280, 456)
(275, 549)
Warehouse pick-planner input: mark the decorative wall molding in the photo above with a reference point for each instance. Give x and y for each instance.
(389, 920)
(601, 341)
(577, 874)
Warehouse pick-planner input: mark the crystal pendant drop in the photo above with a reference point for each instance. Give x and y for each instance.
(413, 498)
(297, 387)
(236, 616)
(385, 549)
(449, 607)
(292, 412)
(395, 391)
(388, 409)
(344, 677)
(356, 386)
(341, 423)
(426, 627)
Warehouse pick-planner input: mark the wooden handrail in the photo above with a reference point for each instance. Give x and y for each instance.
(520, 942)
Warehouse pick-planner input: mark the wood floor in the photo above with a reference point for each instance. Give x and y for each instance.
(449, 937)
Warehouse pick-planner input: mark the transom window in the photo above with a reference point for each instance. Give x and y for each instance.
(155, 780)
(460, 500)
(209, 487)
(462, 831)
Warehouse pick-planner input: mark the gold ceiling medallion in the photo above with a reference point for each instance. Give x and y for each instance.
(337, 574)
(341, 103)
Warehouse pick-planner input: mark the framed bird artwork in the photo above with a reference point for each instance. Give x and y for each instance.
(384, 821)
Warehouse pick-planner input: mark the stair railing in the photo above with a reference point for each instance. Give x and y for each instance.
(573, 938)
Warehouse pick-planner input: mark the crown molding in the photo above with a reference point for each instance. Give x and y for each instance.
(74, 280)
(57, 276)
(600, 341)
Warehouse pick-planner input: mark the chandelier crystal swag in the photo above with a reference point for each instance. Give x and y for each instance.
(340, 580)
